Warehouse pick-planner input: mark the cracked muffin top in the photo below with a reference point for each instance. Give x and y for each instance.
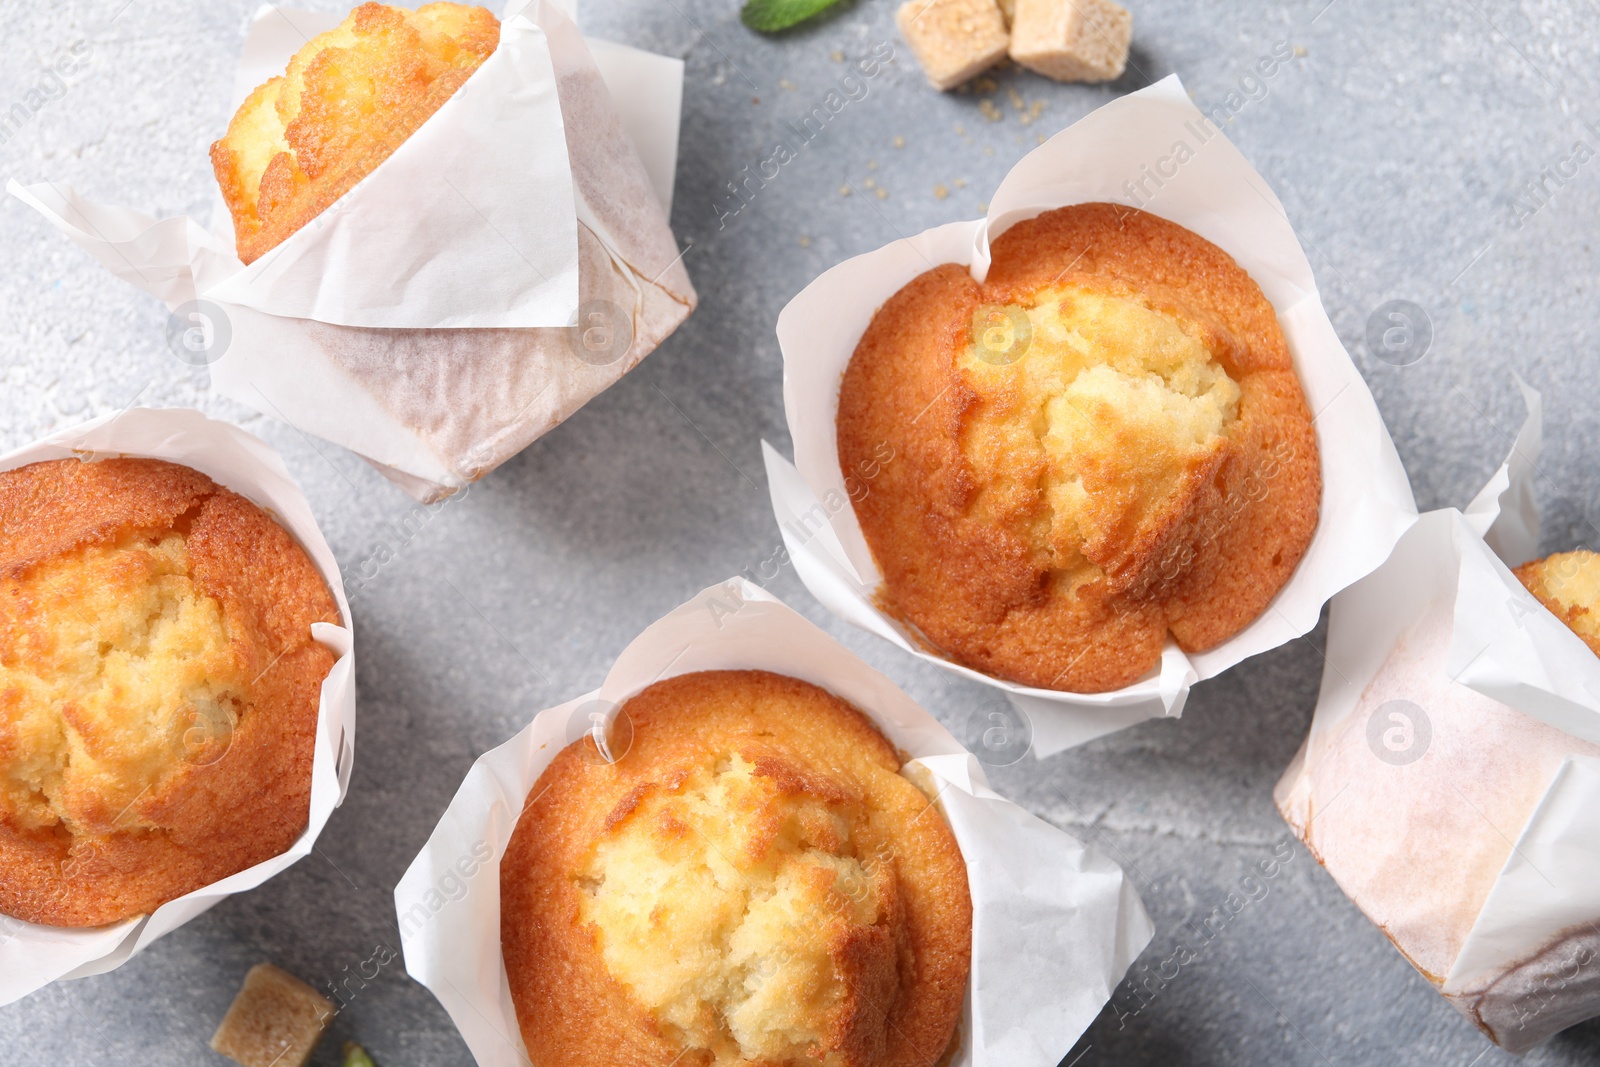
(159, 687)
(1103, 444)
(752, 881)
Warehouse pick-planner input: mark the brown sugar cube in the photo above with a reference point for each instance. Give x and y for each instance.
(275, 1021)
(1072, 40)
(954, 40)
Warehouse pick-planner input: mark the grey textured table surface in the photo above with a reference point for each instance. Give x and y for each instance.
(1401, 142)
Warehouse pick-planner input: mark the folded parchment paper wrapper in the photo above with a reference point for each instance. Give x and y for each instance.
(1451, 780)
(1366, 499)
(33, 956)
(1055, 924)
(426, 320)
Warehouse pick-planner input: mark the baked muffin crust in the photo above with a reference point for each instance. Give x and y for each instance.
(348, 99)
(752, 882)
(159, 687)
(1102, 444)
(1568, 583)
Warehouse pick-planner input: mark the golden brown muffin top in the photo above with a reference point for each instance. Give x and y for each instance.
(158, 687)
(1568, 583)
(751, 882)
(349, 98)
(1102, 444)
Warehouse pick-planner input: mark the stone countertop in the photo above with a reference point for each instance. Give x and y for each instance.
(1402, 140)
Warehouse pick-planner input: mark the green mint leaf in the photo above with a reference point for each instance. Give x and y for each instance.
(769, 16)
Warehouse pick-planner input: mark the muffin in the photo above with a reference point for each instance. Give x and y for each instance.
(1102, 444)
(349, 98)
(750, 882)
(159, 687)
(1568, 584)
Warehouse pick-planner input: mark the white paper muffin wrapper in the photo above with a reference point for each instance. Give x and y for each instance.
(1506, 646)
(1366, 499)
(480, 221)
(1055, 924)
(33, 956)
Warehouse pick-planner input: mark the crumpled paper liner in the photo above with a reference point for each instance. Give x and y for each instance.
(425, 320)
(31, 955)
(1468, 832)
(1055, 924)
(1366, 499)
